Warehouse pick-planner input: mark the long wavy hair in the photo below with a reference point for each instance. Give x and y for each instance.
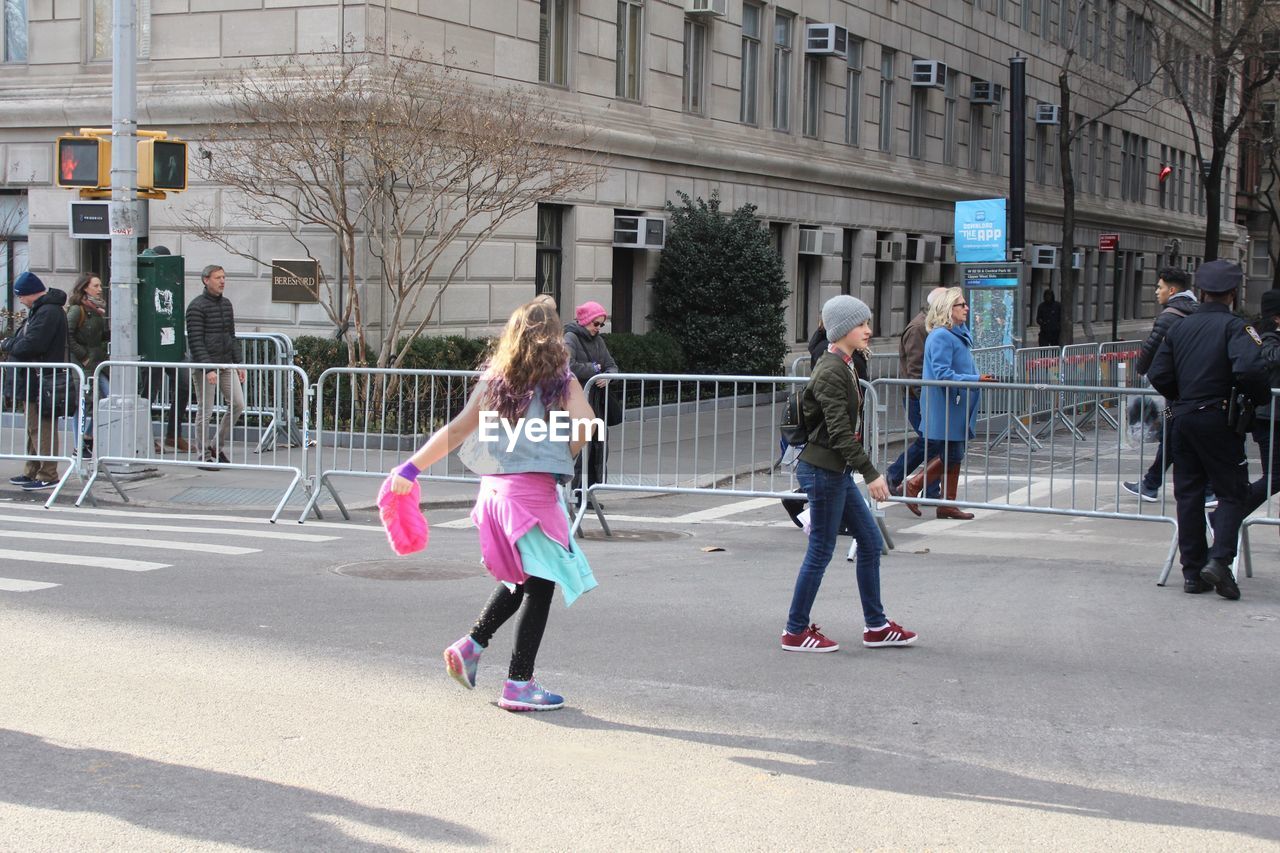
(530, 355)
(81, 285)
(940, 311)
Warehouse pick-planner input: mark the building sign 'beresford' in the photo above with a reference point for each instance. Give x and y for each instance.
(295, 281)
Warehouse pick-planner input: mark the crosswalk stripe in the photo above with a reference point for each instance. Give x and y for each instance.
(169, 516)
(79, 560)
(167, 544)
(170, 528)
(725, 510)
(15, 585)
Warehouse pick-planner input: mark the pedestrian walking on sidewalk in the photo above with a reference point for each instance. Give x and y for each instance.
(1176, 301)
(911, 358)
(520, 513)
(211, 339)
(41, 337)
(1209, 364)
(589, 356)
(948, 414)
(1267, 420)
(88, 333)
(831, 407)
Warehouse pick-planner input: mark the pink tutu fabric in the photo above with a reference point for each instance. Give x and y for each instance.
(404, 522)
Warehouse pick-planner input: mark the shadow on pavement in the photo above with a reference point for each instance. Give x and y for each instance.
(925, 775)
(191, 802)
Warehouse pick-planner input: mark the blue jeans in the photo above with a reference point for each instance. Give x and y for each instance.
(833, 499)
(103, 391)
(952, 452)
(911, 458)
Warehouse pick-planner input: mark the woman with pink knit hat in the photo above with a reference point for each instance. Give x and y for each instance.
(588, 355)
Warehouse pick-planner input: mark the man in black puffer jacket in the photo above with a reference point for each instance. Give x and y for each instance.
(211, 340)
(42, 337)
(1176, 301)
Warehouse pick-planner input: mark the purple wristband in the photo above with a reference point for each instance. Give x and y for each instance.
(409, 471)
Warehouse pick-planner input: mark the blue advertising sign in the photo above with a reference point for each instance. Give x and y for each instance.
(991, 275)
(980, 230)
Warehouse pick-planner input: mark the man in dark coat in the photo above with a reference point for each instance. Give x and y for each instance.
(1049, 319)
(589, 356)
(1176, 301)
(211, 340)
(1205, 362)
(42, 337)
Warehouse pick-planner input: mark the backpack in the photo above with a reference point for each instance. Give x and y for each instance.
(792, 431)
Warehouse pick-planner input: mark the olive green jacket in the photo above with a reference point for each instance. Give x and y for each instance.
(87, 336)
(831, 408)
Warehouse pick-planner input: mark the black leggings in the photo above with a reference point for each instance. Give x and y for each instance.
(536, 594)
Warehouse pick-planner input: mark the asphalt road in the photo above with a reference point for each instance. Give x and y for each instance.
(289, 694)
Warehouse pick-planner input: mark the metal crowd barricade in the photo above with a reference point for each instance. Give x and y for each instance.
(265, 403)
(801, 365)
(368, 420)
(1265, 490)
(1117, 367)
(1078, 366)
(38, 402)
(126, 432)
(699, 435)
(1070, 477)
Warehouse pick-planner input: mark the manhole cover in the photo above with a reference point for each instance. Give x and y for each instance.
(404, 570)
(620, 535)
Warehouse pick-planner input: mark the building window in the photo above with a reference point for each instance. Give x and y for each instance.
(695, 65)
(550, 250)
(886, 99)
(1026, 16)
(14, 225)
(1260, 258)
(949, 119)
(975, 138)
(1091, 162)
(102, 17)
(15, 31)
(853, 93)
(811, 121)
(1042, 153)
(997, 139)
(1180, 176)
(750, 88)
(1106, 161)
(630, 36)
(553, 42)
(1046, 19)
(782, 26)
(919, 121)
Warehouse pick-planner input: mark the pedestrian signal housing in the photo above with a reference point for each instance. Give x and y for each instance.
(84, 162)
(162, 165)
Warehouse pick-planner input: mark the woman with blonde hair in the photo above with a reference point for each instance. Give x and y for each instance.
(948, 414)
(524, 527)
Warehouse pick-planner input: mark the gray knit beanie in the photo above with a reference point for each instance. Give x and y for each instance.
(842, 314)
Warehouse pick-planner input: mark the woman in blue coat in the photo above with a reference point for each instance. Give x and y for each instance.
(948, 415)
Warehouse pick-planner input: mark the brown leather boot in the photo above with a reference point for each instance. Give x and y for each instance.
(915, 485)
(950, 486)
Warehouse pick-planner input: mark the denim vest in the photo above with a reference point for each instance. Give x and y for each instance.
(525, 456)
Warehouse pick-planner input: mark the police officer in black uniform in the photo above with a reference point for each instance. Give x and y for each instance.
(1203, 360)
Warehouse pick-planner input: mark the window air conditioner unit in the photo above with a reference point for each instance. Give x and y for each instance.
(1047, 113)
(986, 92)
(715, 8)
(826, 40)
(639, 232)
(816, 241)
(928, 72)
(919, 250)
(888, 250)
(1139, 263)
(1044, 257)
(1077, 260)
(946, 254)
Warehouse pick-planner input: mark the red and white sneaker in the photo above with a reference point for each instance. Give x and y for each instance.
(808, 640)
(891, 634)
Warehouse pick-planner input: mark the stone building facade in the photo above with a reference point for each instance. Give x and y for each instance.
(864, 122)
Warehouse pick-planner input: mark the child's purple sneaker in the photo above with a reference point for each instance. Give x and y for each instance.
(528, 696)
(462, 658)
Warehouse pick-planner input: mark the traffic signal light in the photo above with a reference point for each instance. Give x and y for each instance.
(162, 164)
(84, 162)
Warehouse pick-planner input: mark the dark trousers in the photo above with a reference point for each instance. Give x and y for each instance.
(595, 451)
(173, 415)
(1208, 453)
(913, 456)
(1160, 463)
(1269, 450)
(536, 595)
